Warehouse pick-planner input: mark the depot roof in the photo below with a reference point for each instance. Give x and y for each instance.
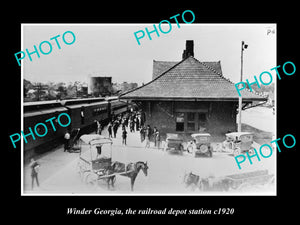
(189, 80)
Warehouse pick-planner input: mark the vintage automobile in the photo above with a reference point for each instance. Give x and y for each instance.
(238, 142)
(201, 145)
(174, 144)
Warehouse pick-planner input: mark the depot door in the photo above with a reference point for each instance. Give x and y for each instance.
(196, 122)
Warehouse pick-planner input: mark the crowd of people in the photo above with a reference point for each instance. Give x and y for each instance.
(149, 134)
(134, 122)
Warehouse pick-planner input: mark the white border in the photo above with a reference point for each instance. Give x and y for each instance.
(22, 113)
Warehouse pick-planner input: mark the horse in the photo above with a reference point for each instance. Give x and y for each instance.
(191, 179)
(132, 168)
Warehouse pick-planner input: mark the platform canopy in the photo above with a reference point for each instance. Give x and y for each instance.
(189, 80)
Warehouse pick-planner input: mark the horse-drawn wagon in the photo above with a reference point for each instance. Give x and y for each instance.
(94, 164)
(97, 164)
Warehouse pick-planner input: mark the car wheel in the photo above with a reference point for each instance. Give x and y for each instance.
(203, 148)
(91, 179)
(251, 151)
(236, 151)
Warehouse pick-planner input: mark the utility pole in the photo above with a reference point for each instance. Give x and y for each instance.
(244, 46)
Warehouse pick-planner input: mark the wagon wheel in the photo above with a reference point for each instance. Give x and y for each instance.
(91, 179)
(79, 169)
(236, 151)
(113, 181)
(84, 174)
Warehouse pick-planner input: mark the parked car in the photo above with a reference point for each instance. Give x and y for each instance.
(174, 144)
(238, 142)
(201, 145)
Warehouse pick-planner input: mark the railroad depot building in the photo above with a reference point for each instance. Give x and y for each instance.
(189, 97)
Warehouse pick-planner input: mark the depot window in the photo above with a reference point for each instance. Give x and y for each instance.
(202, 118)
(179, 121)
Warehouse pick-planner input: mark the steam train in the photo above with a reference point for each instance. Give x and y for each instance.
(83, 113)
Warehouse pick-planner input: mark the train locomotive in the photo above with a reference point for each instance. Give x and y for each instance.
(83, 113)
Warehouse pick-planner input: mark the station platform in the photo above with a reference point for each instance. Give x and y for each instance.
(58, 173)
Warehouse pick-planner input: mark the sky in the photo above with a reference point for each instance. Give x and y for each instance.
(112, 50)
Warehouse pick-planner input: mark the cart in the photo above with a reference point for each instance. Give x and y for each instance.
(259, 177)
(225, 183)
(94, 164)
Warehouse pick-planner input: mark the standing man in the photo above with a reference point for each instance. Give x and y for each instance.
(125, 120)
(131, 125)
(99, 127)
(154, 136)
(137, 123)
(148, 136)
(67, 141)
(124, 136)
(96, 126)
(109, 129)
(157, 138)
(115, 128)
(34, 165)
(143, 133)
(99, 150)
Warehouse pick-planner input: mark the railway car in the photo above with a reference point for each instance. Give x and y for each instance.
(118, 107)
(83, 113)
(35, 113)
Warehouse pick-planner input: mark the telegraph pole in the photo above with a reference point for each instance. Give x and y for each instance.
(244, 46)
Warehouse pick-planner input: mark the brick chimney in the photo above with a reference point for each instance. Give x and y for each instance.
(189, 49)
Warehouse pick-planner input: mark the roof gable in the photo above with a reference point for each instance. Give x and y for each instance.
(160, 67)
(190, 79)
